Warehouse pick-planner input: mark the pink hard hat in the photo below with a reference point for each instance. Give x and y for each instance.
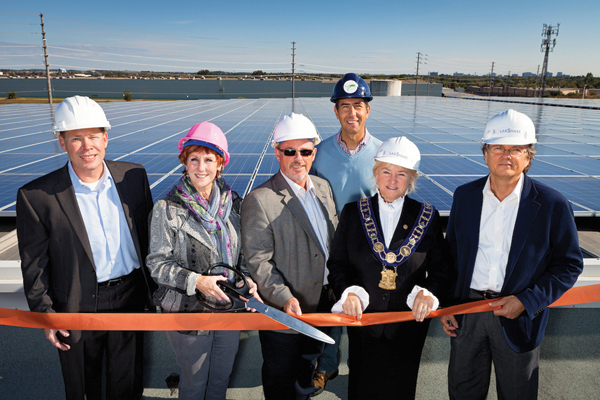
(208, 135)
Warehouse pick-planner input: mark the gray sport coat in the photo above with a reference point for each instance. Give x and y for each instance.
(282, 251)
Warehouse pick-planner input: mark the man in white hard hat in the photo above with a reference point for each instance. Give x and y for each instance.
(513, 241)
(346, 162)
(287, 225)
(83, 240)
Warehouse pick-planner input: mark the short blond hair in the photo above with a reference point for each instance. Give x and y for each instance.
(413, 174)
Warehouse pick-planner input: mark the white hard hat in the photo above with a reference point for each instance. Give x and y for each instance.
(78, 112)
(509, 127)
(294, 126)
(399, 151)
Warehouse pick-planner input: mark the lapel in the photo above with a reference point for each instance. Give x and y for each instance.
(322, 196)
(65, 196)
(528, 210)
(294, 205)
(118, 175)
(473, 203)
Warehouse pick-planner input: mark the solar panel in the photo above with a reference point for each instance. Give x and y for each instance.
(447, 131)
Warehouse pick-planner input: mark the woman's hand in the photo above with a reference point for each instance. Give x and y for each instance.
(253, 291)
(208, 286)
(352, 306)
(422, 306)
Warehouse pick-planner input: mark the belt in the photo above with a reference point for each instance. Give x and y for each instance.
(116, 281)
(486, 294)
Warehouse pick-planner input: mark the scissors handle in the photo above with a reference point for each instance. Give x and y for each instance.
(231, 290)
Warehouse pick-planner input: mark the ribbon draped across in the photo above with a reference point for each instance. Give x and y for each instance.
(244, 321)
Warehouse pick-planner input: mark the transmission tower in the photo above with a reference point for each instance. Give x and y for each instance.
(491, 78)
(420, 60)
(547, 46)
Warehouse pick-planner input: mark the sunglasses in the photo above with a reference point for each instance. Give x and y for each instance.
(292, 152)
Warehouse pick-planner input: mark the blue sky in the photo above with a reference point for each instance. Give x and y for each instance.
(332, 37)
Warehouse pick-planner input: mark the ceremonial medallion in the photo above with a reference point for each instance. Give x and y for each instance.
(388, 279)
(378, 247)
(405, 251)
(390, 257)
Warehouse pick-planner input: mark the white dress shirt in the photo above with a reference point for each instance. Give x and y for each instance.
(110, 239)
(312, 207)
(495, 236)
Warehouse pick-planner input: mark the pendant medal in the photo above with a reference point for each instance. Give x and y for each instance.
(388, 279)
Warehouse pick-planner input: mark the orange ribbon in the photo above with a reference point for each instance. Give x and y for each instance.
(243, 321)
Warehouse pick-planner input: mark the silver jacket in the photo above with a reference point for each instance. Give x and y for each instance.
(180, 247)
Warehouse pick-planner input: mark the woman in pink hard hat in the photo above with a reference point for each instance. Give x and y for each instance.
(195, 226)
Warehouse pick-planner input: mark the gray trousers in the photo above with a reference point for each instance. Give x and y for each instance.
(206, 363)
(480, 342)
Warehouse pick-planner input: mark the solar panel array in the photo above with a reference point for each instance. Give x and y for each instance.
(447, 131)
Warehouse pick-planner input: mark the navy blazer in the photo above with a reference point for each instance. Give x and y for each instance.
(352, 262)
(544, 259)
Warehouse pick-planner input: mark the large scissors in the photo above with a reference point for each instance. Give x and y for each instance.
(237, 304)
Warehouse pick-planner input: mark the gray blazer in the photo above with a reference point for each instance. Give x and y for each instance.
(180, 246)
(282, 252)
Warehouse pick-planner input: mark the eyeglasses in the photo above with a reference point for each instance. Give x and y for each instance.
(514, 152)
(292, 152)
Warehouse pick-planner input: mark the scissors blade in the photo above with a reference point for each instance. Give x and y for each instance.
(289, 321)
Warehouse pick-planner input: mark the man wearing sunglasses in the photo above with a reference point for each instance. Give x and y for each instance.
(513, 242)
(287, 225)
(346, 162)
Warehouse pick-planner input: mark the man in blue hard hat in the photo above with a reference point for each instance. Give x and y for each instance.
(346, 161)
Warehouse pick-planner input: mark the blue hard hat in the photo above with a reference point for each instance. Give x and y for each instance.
(351, 86)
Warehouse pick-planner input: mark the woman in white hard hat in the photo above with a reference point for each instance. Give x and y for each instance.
(194, 227)
(388, 250)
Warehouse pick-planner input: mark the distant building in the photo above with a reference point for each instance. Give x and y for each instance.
(458, 74)
(433, 74)
(549, 74)
(515, 75)
(528, 74)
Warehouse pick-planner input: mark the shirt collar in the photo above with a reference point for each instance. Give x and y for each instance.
(297, 189)
(79, 184)
(393, 206)
(487, 191)
(362, 143)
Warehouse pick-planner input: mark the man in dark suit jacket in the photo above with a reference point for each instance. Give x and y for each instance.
(83, 238)
(510, 237)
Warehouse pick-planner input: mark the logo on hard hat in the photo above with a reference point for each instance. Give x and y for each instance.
(506, 130)
(393, 154)
(350, 86)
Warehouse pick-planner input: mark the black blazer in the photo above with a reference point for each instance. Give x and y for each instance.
(351, 262)
(56, 258)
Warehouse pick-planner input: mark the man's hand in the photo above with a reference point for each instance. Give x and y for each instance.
(51, 336)
(511, 307)
(352, 306)
(292, 306)
(449, 324)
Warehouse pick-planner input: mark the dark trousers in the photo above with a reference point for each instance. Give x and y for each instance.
(479, 342)
(82, 363)
(384, 367)
(289, 359)
(288, 365)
